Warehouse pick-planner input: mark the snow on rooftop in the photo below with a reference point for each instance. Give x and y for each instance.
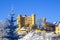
(23, 28)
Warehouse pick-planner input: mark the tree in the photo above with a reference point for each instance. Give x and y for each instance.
(1, 30)
(11, 35)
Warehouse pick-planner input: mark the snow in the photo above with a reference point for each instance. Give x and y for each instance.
(2, 31)
(29, 35)
(23, 28)
(32, 35)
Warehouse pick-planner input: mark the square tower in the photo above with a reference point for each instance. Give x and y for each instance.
(25, 21)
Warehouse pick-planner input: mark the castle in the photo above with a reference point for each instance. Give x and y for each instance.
(25, 24)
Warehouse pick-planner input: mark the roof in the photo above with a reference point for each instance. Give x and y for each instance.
(51, 24)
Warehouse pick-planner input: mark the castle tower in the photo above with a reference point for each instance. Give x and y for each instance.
(44, 22)
(19, 21)
(33, 19)
(25, 21)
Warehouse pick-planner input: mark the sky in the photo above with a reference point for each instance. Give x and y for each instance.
(41, 8)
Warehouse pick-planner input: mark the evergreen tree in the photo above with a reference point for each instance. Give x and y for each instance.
(1, 30)
(11, 35)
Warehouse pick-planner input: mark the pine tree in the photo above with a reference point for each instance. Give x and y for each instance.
(11, 35)
(1, 30)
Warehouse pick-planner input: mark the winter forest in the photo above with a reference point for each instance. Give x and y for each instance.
(7, 29)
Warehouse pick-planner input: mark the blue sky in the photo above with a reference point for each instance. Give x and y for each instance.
(42, 8)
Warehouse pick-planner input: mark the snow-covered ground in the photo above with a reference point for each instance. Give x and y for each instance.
(33, 35)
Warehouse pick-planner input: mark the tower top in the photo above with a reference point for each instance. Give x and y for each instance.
(33, 14)
(25, 15)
